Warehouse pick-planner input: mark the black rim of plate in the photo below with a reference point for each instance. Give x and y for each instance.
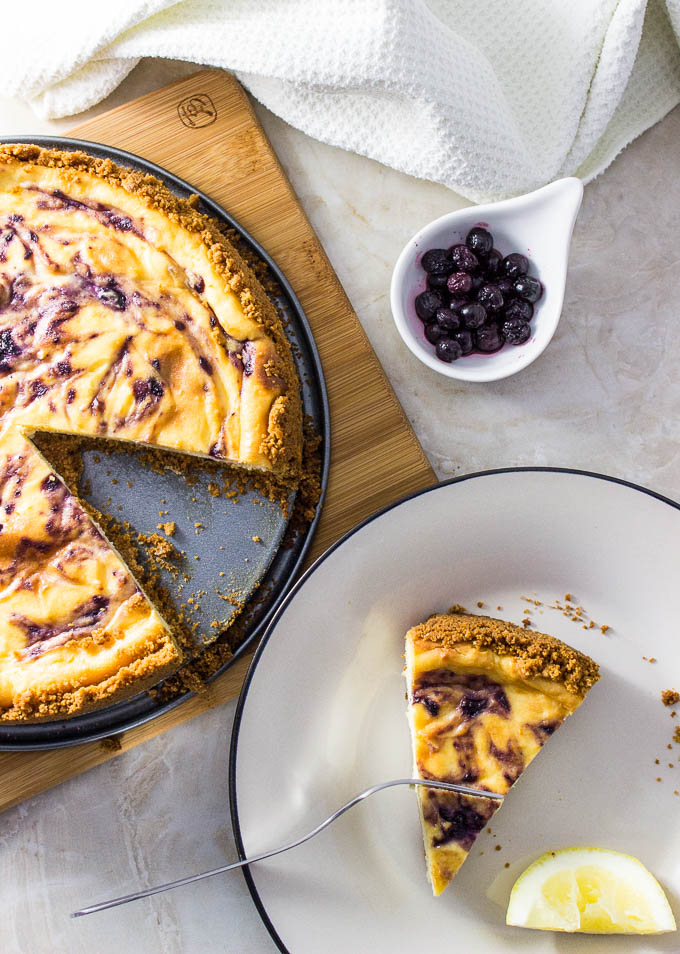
(290, 596)
(134, 712)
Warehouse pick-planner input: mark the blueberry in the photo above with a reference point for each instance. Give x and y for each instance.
(427, 303)
(111, 296)
(488, 338)
(471, 705)
(8, 346)
(437, 261)
(449, 350)
(464, 339)
(493, 263)
(463, 823)
(50, 483)
(434, 333)
(463, 259)
(479, 241)
(473, 315)
(477, 282)
(505, 286)
(119, 222)
(491, 297)
(516, 331)
(528, 288)
(515, 265)
(447, 320)
(456, 302)
(519, 308)
(459, 283)
(437, 282)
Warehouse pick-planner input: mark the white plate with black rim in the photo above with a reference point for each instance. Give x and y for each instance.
(322, 714)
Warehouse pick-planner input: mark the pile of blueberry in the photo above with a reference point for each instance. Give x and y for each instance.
(476, 300)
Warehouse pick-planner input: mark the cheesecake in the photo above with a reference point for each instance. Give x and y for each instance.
(125, 314)
(76, 630)
(484, 696)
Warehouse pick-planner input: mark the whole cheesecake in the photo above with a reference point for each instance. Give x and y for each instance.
(125, 314)
(484, 696)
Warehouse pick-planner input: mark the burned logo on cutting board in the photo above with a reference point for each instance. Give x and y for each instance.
(197, 110)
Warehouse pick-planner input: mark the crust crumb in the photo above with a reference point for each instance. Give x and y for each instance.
(112, 743)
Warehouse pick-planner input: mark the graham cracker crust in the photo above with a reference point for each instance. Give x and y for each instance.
(541, 655)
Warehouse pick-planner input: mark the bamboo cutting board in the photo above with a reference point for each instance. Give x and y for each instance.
(203, 129)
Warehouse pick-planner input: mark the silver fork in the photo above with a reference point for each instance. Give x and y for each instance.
(148, 892)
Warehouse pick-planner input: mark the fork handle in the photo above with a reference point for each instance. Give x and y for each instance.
(157, 889)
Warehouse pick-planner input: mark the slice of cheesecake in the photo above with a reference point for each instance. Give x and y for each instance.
(483, 697)
(76, 631)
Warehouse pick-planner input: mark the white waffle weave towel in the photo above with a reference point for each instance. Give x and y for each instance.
(490, 97)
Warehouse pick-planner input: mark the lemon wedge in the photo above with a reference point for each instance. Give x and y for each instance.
(591, 890)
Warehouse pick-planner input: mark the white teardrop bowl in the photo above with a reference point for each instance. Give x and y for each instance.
(540, 225)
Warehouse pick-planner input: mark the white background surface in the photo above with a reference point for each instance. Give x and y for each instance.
(605, 396)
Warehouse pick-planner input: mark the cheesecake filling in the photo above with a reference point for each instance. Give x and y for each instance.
(84, 620)
(41, 308)
(465, 694)
(103, 331)
(453, 817)
(470, 723)
(467, 738)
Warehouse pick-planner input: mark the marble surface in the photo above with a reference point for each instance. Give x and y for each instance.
(604, 397)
